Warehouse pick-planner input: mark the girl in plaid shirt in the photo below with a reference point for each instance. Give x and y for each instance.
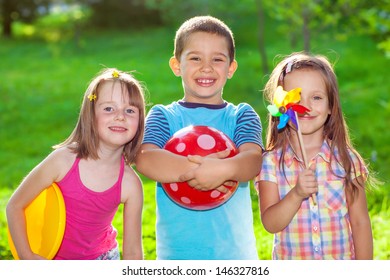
(337, 226)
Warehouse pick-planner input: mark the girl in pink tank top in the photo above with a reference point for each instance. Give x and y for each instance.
(93, 169)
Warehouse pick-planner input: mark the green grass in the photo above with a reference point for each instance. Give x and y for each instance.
(42, 84)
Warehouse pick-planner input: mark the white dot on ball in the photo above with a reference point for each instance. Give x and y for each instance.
(180, 147)
(229, 145)
(174, 187)
(206, 142)
(185, 200)
(215, 194)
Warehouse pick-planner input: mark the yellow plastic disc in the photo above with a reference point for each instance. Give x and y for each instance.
(45, 221)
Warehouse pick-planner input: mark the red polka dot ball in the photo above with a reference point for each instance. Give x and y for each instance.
(198, 140)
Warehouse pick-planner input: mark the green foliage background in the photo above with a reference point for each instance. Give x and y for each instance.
(43, 80)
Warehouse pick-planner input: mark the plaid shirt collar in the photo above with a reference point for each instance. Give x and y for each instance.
(290, 155)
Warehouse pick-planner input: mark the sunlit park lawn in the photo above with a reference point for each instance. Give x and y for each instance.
(42, 84)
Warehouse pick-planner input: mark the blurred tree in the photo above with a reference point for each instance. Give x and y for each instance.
(367, 17)
(262, 49)
(299, 18)
(174, 12)
(246, 17)
(22, 10)
(122, 13)
(105, 13)
(305, 19)
(7, 8)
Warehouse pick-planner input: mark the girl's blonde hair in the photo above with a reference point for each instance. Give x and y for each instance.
(84, 140)
(335, 127)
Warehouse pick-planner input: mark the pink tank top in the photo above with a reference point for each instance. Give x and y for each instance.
(89, 214)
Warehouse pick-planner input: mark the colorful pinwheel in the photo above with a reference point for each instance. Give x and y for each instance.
(285, 106)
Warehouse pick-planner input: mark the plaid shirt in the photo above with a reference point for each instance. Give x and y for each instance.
(319, 231)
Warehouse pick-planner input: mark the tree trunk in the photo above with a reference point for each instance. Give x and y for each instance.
(262, 49)
(306, 30)
(7, 9)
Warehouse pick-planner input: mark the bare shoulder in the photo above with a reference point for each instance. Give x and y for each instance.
(131, 184)
(62, 160)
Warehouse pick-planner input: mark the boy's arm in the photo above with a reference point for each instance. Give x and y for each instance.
(161, 165)
(152, 160)
(246, 164)
(213, 172)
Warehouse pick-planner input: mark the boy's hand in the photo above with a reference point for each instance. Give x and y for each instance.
(205, 177)
(221, 154)
(224, 189)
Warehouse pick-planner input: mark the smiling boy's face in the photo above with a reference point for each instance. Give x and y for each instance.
(204, 67)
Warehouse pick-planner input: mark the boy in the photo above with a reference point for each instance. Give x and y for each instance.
(204, 59)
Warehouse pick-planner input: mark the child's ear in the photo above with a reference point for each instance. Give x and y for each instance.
(175, 66)
(232, 68)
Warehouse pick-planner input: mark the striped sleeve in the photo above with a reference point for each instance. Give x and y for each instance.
(156, 129)
(248, 128)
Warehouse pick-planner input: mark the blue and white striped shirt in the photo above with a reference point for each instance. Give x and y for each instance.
(225, 232)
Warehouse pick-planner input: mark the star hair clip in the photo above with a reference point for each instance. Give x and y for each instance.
(115, 74)
(92, 97)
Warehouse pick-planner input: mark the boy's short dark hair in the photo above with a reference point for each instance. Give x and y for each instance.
(206, 24)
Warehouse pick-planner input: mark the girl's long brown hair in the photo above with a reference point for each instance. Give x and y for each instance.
(84, 140)
(335, 129)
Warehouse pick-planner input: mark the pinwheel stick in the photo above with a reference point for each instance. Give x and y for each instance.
(313, 196)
